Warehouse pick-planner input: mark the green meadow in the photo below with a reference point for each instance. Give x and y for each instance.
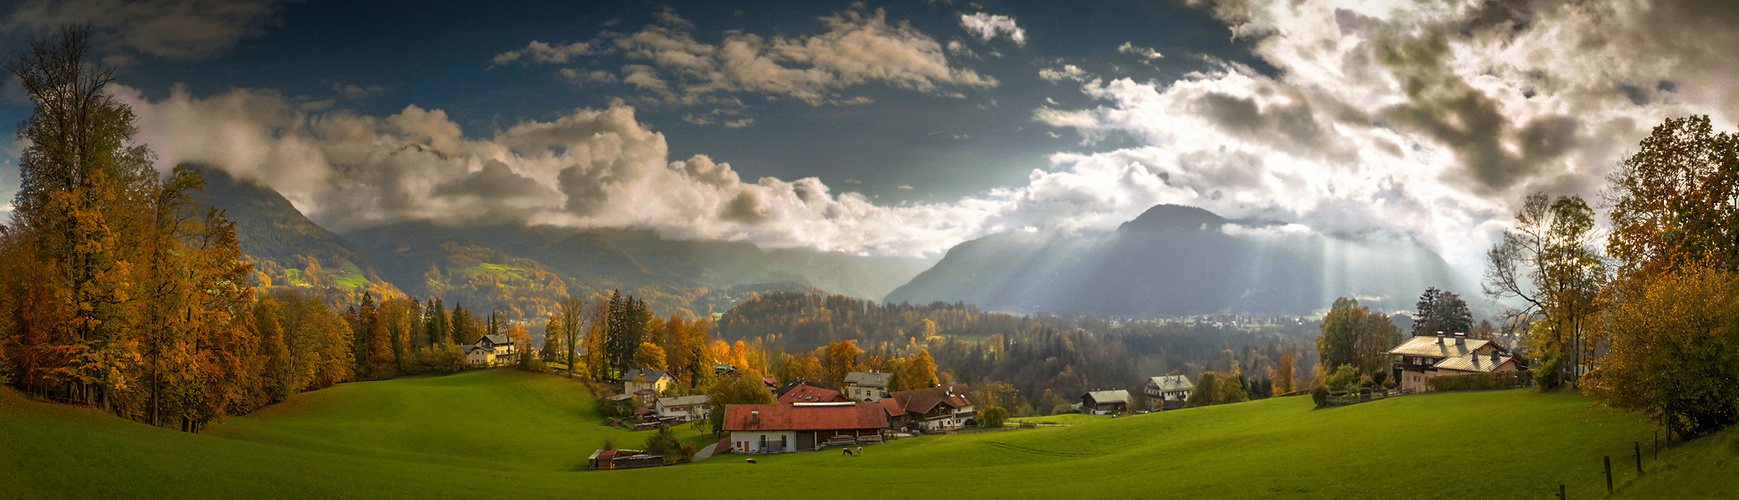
(503, 433)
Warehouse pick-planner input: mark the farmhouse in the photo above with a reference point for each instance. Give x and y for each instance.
(684, 408)
(491, 350)
(804, 393)
(940, 408)
(646, 381)
(782, 428)
(1168, 392)
(1105, 402)
(1425, 356)
(479, 356)
(867, 386)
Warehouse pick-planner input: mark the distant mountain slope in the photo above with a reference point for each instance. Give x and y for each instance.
(633, 259)
(1176, 260)
(284, 244)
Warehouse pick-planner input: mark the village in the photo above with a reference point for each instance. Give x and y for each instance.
(806, 417)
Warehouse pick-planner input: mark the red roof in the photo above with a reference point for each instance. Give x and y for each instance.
(804, 417)
(922, 400)
(805, 393)
(892, 407)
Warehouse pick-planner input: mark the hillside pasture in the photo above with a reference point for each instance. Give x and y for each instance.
(498, 433)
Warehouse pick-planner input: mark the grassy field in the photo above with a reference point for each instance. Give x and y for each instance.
(501, 433)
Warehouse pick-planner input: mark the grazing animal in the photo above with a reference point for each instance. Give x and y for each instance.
(750, 460)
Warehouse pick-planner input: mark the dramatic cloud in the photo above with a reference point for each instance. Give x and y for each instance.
(171, 29)
(667, 62)
(988, 27)
(1429, 119)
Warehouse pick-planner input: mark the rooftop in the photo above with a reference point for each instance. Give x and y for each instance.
(783, 417)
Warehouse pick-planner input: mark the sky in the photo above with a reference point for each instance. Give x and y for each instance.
(904, 128)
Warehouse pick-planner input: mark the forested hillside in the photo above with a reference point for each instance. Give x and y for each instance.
(288, 250)
(1034, 353)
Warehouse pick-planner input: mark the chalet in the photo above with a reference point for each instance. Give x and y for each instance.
(867, 386)
(479, 356)
(783, 428)
(1425, 356)
(491, 350)
(684, 408)
(1168, 392)
(502, 346)
(805, 393)
(654, 382)
(1105, 402)
(941, 408)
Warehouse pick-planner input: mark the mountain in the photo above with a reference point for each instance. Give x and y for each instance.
(1176, 260)
(526, 270)
(431, 259)
(287, 248)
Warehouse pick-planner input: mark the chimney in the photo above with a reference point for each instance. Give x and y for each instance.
(1460, 341)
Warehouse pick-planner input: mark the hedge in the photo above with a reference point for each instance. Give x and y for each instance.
(1481, 381)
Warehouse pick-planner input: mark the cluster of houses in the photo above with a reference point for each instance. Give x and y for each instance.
(1415, 361)
(806, 417)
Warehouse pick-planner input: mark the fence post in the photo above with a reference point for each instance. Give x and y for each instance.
(1638, 457)
(1657, 444)
(1561, 491)
(1608, 473)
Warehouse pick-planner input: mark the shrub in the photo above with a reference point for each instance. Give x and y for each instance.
(993, 416)
(1480, 381)
(1320, 396)
(663, 442)
(1547, 376)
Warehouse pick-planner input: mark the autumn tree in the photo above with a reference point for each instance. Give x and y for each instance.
(1674, 350)
(1670, 330)
(746, 388)
(1282, 374)
(1353, 335)
(1548, 261)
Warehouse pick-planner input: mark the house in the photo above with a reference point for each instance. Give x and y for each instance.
(684, 408)
(804, 393)
(1168, 392)
(720, 370)
(491, 350)
(655, 382)
(479, 356)
(783, 428)
(940, 408)
(867, 386)
(622, 459)
(1105, 402)
(503, 346)
(1425, 356)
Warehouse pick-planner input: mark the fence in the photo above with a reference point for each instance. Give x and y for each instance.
(1617, 466)
(1355, 397)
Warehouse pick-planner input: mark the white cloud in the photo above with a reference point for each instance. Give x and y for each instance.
(543, 53)
(171, 29)
(990, 26)
(1145, 53)
(668, 63)
(1067, 72)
